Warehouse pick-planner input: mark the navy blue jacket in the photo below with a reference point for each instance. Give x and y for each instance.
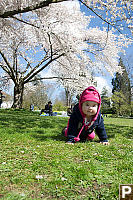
(76, 123)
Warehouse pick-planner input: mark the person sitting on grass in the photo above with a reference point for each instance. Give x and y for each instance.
(86, 117)
(48, 109)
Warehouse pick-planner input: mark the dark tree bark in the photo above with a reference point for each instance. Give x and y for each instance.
(18, 96)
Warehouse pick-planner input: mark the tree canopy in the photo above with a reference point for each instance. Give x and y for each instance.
(115, 13)
(121, 83)
(35, 36)
(121, 92)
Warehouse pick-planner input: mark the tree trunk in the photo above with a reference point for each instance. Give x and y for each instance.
(18, 96)
(68, 97)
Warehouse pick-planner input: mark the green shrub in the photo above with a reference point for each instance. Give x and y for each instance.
(59, 107)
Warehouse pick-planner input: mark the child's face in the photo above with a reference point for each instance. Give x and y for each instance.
(89, 108)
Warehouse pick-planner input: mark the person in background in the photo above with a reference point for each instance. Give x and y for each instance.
(85, 118)
(31, 107)
(48, 109)
(1, 97)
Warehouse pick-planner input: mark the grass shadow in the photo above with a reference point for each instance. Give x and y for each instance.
(125, 131)
(21, 122)
(58, 137)
(112, 131)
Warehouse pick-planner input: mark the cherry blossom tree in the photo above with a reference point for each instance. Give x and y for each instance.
(57, 37)
(10, 8)
(114, 13)
(20, 44)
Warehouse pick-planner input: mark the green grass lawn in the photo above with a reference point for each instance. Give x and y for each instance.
(35, 162)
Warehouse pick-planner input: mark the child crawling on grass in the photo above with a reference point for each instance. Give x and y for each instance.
(86, 118)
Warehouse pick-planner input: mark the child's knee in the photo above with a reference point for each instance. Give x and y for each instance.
(91, 136)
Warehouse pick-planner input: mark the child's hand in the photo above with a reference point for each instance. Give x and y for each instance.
(104, 143)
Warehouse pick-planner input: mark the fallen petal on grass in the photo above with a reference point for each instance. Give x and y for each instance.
(39, 177)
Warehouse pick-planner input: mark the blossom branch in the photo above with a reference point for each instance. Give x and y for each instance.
(109, 23)
(53, 77)
(41, 4)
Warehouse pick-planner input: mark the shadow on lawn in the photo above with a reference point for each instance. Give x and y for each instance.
(44, 137)
(35, 125)
(43, 128)
(112, 131)
(23, 122)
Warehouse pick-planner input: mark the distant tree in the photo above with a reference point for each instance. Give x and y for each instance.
(35, 95)
(59, 105)
(120, 105)
(69, 94)
(128, 62)
(62, 97)
(121, 83)
(105, 101)
(121, 92)
(129, 66)
(132, 109)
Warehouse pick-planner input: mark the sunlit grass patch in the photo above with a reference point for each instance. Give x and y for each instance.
(35, 162)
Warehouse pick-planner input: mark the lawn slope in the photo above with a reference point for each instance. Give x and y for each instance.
(35, 162)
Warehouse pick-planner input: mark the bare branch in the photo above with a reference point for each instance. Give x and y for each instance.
(16, 18)
(36, 67)
(28, 79)
(28, 64)
(50, 44)
(10, 71)
(54, 77)
(4, 67)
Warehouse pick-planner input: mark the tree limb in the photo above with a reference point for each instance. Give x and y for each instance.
(107, 22)
(53, 77)
(28, 79)
(41, 4)
(20, 20)
(10, 71)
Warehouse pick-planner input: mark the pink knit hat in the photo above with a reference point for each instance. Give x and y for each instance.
(90, 94)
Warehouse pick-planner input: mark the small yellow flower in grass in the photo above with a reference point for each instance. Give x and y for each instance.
(39, 177)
